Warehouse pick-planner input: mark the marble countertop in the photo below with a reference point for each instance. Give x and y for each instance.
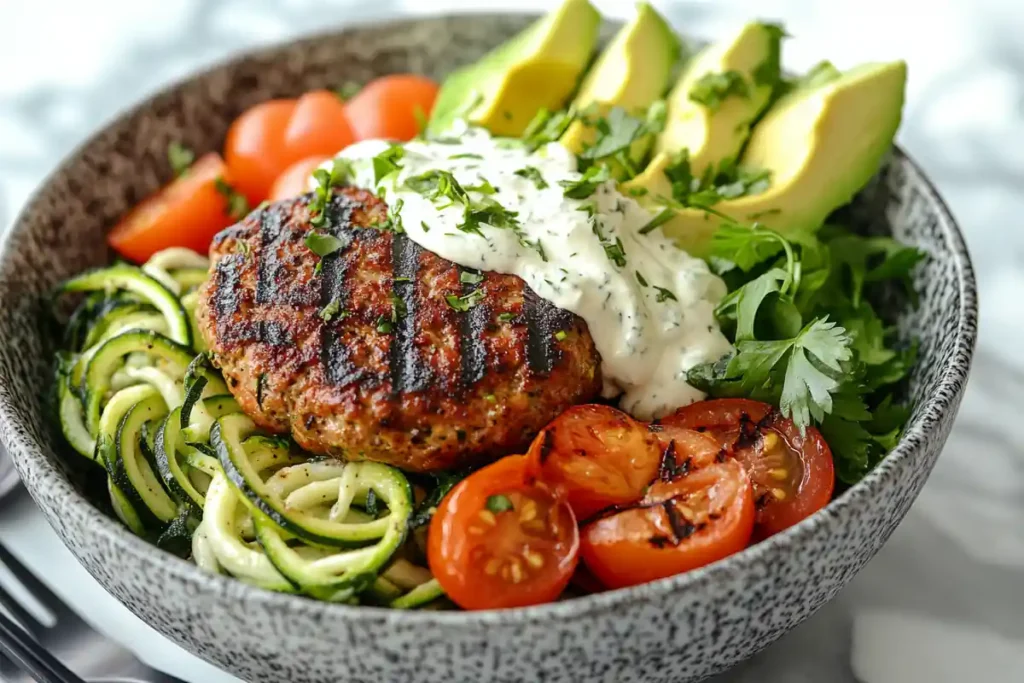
(942, 602)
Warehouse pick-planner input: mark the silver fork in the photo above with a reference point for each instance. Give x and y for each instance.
(85, 651)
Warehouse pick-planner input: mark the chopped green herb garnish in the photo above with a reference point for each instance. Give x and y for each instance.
(640, 278)
(421, 118)
(491, 398)
(466, 301)
(330, 310)
(238, 205)
(348, 90)
(533, 174)
(506, 317)
(587, 184)
(499, 503)
(484, 187)
(637, 191)
(547, 127)
(664, 216)
(561, 335)
(470, 278)
(341, 171)
(323, 244)
(180, 157)
(712, 89)
(466, 155)
(384, 326)
(386, 163)
(664, 294)
(398, 307)
(426, 228)
(438, 184)
(615, 252)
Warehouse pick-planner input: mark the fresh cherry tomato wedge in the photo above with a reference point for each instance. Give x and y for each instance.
(681, 524)
(186, 213)
(271, 136)
(392, 107)
(597, 456)
(502, 539)
(295, 179)
(792, 473)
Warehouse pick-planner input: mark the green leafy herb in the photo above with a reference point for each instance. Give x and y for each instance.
(587, 184)
(470, 278)
(386, 163)
(561, 335)
(491, 398)
(638, 191)
(341, 171)
(180, 157)
(641, 279)
(323, 244)
(373, 504)
(484, 187)
(547, 126)
(238, 205)
(664, 294)
(398, 307)
(466, 155)
(663, 216)
(384, 326)
(712, 88)
(498, 503)
(330, 310)
(421, 118)
(466, 301)
(437, 185)
(506, 317)
(615, 252)
(615, 133)
(532, 173)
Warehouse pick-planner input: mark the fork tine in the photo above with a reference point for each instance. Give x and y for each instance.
(27, 620)
(39, 590)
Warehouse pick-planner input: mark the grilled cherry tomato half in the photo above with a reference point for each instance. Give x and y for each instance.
(597, 456)
(271, 136)
(687, 449)
(501, 539)
(392, 107)
(186, 213)
(681, 524)
(792, 473)
(295, 179)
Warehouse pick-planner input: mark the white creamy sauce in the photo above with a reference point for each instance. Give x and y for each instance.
(647, 337)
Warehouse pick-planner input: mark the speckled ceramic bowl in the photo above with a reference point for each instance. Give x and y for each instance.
(680, 629)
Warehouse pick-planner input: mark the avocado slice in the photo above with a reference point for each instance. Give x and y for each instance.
(539, 68)
(821, 143)
(722, 91)
(631, 73)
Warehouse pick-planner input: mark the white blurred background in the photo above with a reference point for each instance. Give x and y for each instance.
(944, 601)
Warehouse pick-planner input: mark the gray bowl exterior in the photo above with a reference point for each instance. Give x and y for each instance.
(680, 629)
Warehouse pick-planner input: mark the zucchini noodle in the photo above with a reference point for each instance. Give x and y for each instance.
(188, 470)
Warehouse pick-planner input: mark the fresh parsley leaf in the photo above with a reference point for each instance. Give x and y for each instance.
(615, 133)
(470, 278)
(506, 317)
(238, 205)
(499, 503)
(664, 294)
(341, 171)
(713, 88)
(438, 185)
(180, 157)
(663, 216)
(384, 326)
(587, 184)
(814, 371)
(532, 173)
(484, 187)
(546, 127)
(466, 301)
(641, 279)
(323, 244)
(615, 252)
(466, 155)
(739, 246)
(330, 310)
(387, 162)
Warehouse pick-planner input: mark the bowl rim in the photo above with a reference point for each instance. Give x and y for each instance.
(29, 457)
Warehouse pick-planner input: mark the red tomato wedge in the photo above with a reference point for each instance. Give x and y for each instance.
(295, 179)
(681, 524)
(597, 456)
(186, 213)
(501, 539)
(271, 136)
(792, 473)
(392, 107)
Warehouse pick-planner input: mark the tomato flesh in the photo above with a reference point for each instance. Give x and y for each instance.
(186, 213)
(295, 179)
(792, 473)
(680, 525)
(597, 456)
(392, 107)
(500, 539)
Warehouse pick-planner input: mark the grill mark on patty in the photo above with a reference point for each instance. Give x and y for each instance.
(406, 367)
(227, 299)
(335, 355)
(543, 320)
(269, 264)
(274, 333)
(472, 323)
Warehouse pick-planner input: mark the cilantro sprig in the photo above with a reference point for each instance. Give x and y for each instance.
(808, 340)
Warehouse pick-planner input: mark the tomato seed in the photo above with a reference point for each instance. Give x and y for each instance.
(529, 511)
(771, 440)
(779, 474)
(686, 512)
(515, 570)
(779, 494)
(487, 517)
(492, 566)
(534, 559)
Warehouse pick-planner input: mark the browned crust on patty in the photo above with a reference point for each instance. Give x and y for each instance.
(441, 389)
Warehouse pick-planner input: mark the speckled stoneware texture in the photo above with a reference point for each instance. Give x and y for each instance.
(680, 629)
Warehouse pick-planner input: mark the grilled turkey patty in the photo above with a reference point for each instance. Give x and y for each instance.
(367, 360)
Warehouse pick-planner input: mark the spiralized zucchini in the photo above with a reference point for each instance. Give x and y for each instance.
(186, 469)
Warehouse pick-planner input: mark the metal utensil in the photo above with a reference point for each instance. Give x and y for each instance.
(69, 637)
(30, 656)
